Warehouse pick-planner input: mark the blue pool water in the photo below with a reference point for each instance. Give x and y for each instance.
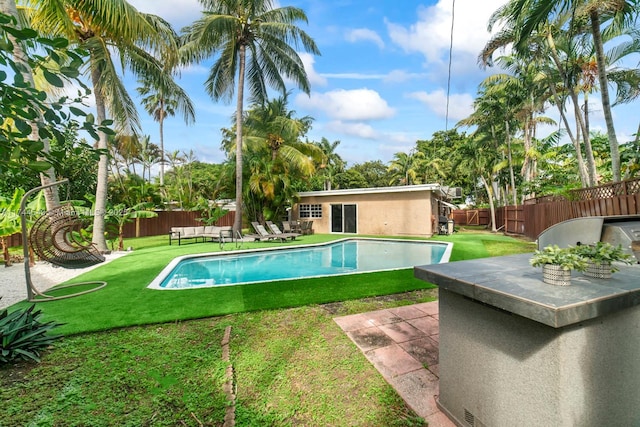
(346, 256)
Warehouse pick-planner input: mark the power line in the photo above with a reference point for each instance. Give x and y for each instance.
(453, 14)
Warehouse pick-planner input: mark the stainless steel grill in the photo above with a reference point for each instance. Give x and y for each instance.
(618, 230)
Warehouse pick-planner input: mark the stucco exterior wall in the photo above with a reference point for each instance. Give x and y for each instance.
(381, 214)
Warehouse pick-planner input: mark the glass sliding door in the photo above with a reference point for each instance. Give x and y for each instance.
(336, 218)
(349, 213)
(344, 219)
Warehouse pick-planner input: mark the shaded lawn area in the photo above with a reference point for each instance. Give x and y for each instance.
(293, 367)
(126, 301)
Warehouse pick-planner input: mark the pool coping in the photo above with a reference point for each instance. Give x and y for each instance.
(157, 281)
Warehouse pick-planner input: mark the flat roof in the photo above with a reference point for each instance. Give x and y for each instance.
(373, 190)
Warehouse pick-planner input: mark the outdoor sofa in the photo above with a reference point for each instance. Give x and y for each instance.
(213, 232)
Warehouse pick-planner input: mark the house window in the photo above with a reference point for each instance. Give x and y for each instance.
(311, 211)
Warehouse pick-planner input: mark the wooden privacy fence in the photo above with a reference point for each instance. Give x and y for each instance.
(530, 219)
(167, 219)
(155, 226)
(536, 215)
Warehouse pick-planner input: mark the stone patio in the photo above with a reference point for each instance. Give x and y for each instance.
(402, 343)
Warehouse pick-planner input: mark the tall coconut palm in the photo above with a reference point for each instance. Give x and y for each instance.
(161, 99)
(531, 14)
(555, 51)
(108, 28)
(252, 40)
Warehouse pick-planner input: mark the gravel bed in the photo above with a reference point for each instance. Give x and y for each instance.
(13, 286)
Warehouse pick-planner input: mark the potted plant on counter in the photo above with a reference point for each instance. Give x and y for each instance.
(557, 264)
(600, 258)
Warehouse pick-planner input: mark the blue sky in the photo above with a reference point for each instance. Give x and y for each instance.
(379, 85)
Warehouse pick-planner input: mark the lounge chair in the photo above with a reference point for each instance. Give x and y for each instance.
(295, 226)
(274, 228)
(264, 234)
(306, 227)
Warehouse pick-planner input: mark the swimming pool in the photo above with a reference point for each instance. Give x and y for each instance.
(345, 256)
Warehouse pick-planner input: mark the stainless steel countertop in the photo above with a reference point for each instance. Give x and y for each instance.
(509, 283)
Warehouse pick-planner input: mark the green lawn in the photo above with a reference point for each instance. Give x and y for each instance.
(292, 366)
(126, 300)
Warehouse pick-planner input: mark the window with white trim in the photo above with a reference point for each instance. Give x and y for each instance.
(310, 211)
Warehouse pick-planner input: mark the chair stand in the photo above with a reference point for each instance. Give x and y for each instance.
(55, 237)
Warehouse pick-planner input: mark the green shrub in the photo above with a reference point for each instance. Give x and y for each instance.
(22, 335)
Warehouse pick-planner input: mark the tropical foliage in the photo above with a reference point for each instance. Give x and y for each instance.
(9, 221)
(22, 104)
(110, 31)
(120, 214)
(275, 157)
(253, 41)
(561, 53)
(23, 336)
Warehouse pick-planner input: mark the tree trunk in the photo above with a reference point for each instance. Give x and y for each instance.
(98, 237)
(588, 149)
(237, 223)
(604, 94)
(5, 251)
(161, 121)
(52, 199)
(576, 108)
(582, 169)
(492, 208)
(511, 174)
(121, 238)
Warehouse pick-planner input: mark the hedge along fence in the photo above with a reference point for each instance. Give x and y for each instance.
(155, 226)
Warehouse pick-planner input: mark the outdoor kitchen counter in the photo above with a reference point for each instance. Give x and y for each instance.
(515, 351)
(510, 283)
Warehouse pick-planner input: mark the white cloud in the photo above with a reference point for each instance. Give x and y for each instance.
(460, 105)
(400, 76)
(394, 76)
(364, 34)
(431, 34)
(179, 14)
(308, 60)
(360, 130)
(349, 105)
(193, 69)
(354, 76)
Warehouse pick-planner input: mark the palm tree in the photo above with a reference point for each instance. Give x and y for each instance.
(531, 14)
(161, 99)
(277, 157)
(148, 156)
(106, 28)
(253, 41)
(404, 168)
(478, 155)
(332, 163)
(552, 50)
(275, 127)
